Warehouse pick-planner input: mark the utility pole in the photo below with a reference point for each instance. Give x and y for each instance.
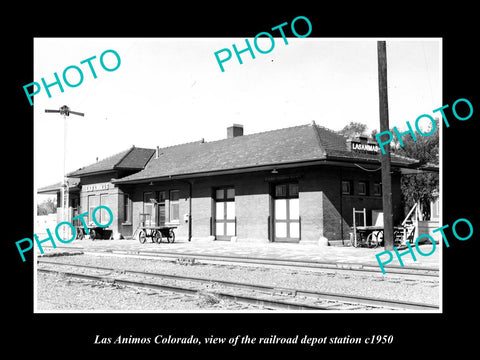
(65, 111)
(385, 158)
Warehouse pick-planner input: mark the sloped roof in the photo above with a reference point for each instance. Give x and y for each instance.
(276, 147)
(132, 158)
(73, 184)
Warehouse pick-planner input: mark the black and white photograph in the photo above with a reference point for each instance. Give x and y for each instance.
(254, 186)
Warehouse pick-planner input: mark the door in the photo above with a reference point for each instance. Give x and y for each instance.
(286, 213)
(225, 220)
(161, 208)
(147, 213)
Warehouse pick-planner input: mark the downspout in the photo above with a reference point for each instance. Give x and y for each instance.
(341, 206)
(190, 186)
(190, 190)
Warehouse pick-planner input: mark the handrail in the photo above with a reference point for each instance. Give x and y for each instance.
(409, 214)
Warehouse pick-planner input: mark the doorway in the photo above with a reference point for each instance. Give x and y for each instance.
(161, 215)
(286, 214)
(225, 218)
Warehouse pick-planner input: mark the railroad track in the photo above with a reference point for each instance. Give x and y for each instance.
(266, 296)
(412, 272)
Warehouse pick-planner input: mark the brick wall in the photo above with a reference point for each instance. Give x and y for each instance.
(114, 201)
(252, 208)
(138, 191)
(251, 205)
(329, 213)
(111, 200)
(98, 178)
(324, 210)
(311, 209)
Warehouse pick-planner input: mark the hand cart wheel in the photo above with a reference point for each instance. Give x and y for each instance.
(374, 239)
(171, 236)
(380, 237)
(80, 234)
(142, 237)
(157, 236)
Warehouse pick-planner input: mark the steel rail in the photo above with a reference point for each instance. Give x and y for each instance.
(352, 299)
(427, 273)
(185, 290)
(307, 264)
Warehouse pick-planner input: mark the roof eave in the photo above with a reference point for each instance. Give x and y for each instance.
(97, 172)
(56, 190)
(329, 160)
(266, 167)
(412, 164)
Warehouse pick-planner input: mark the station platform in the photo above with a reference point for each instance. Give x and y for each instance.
(264, 250)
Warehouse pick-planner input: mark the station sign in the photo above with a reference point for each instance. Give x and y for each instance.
(365, 148)
(96, 187)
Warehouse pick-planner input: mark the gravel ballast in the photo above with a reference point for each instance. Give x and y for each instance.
(55, 292)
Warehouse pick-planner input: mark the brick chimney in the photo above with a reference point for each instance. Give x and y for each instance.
(234, 131)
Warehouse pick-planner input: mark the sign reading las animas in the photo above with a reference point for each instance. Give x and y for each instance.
(95, 187)
(370, 148)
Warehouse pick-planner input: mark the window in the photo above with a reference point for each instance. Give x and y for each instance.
(148, 208)
(162, 196)
(101, 215)
(174, 206)
(93, 202)
(377, 189)
(281, 190)
(225, 194)
(293, 190)
(127, 208)
(286, 190)
(75, 203)
(230, 194)
(347, 187)
(104, 217)
(362, 188)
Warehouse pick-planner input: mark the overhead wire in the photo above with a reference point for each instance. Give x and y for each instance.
(370, 170)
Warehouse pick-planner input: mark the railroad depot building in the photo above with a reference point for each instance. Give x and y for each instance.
(297, 184)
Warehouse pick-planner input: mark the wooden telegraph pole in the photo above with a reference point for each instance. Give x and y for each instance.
(385, 158)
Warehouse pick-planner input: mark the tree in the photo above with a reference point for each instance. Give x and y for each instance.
(394, 144)
(420, 188)
(424, 149)
(46, 207)
(354, 129)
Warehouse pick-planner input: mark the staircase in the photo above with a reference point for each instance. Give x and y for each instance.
(410, 225)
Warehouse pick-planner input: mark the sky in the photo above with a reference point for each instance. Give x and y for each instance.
(170, 91)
